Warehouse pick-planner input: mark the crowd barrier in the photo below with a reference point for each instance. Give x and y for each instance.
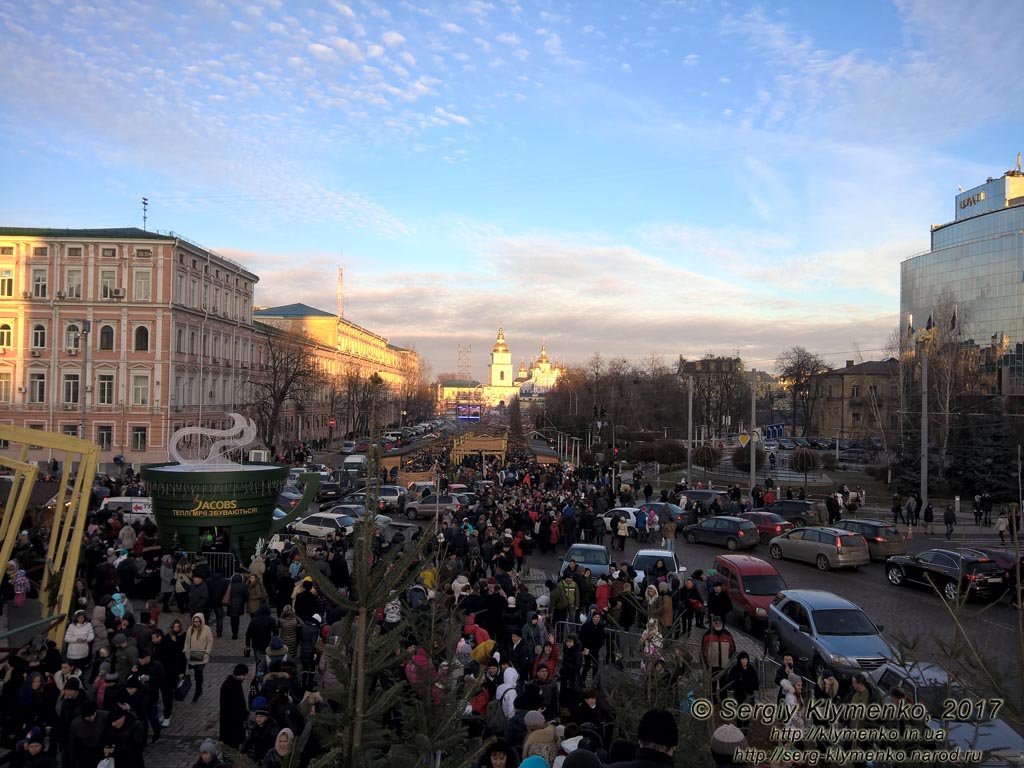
(223, 563)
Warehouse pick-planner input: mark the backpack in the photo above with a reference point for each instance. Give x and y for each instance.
(494, 714)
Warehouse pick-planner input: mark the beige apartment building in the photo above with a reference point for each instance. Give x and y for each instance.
(130, 335)
(856, 401)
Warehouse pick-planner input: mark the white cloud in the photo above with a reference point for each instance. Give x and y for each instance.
(392, 39)
(374, 51)
(509, 38)
(691, 59)
(347, 48)
(452, 27)
(450, 116)
(322, 52)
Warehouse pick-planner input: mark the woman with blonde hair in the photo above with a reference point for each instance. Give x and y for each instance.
(182, 583)
(198, 649)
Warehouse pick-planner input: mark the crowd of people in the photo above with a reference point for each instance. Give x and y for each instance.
(539, 665)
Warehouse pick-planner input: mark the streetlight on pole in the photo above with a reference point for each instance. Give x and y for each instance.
(84, 339)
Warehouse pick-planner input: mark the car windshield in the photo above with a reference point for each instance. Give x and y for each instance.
(843, 621)
(646, 562)
(768, 584)
(589, 556)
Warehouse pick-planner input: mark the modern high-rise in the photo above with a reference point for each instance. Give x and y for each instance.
(975, 269)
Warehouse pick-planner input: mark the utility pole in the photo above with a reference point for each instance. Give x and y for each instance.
(689, 424)
(924, 424)
(753, 442)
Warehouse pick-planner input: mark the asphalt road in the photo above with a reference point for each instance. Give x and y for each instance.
(915, 620)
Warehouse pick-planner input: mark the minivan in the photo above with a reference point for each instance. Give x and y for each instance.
(133, 509)
(827, 548)
(354, 464)
(752, 584)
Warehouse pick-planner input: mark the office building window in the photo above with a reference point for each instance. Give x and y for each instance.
(140, 389)
(6, 386)
(108, 282)
(139, 435)
(105, 437)
(39, 336)
(6, 283)
(37, 387)
(74, 284)
(107, 337)
(105, 389)
(6, 335)
(142, 339)
(143, 281)
(71, 385)
(39, 283)
(108, 253)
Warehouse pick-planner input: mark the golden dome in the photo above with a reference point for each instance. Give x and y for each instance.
(543, 353)
(500, 345)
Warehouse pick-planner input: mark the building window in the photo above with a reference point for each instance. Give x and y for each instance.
(193, 292)
(39, 336)
(144, 253)
(6, 335)
(39, 283)
(37, 387)
(140, 389)
(873, 392)
(856, 419)
(6, 283)
(107, 337)
(142, 339)
(71, 382)
(855, 390)
(192, 342)
(6, 386)
(7, 250)
(105, 437)
(179, 340)
(75, 252)
(105, 389)
(143, 282)
(139, 435)
(179, 294)
(72, 338)
(40, 250)
(108, 253)
(108, 282)
(74, 284)
(71, 430)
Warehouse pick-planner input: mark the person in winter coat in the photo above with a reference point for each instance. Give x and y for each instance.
(101, 637)
(182, 582)
(123, 739)
(85, 735)
(288, 626)
(689, 605)
(284, 743)
(262, 731)
(309, 636)
(602, 593)
(78, 637)
(207, 755)
(238, 597)
(256, 594)
(719, 602)
(198, 649)
(593, 638)
(167, 581)
(533, 633)
(262, 627)
(506, 693)
(743, 682)
(199, 597)
(234, 710)
(665, 600)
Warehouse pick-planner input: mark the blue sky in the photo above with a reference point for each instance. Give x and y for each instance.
(630, 178)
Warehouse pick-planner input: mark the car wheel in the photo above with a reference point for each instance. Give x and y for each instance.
(691, 538)
(631, 532)
(748, 623)
(822, 563)
(765, 538)
(775, 552)
(731, 544)
(800, 522)
(950, 591)
(412, 513)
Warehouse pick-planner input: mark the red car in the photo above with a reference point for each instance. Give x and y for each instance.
(363, 446)
(769, 525)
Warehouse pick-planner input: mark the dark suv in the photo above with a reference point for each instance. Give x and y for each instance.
(799, 512)
(950, 573)
(702, 498)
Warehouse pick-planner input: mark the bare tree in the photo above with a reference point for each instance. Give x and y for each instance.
(291, 375)
(800, 371)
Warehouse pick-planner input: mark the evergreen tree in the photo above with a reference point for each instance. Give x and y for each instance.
(984, 454)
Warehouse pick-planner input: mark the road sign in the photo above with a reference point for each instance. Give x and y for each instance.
(744, 439)
(774, 431)
(332, 422)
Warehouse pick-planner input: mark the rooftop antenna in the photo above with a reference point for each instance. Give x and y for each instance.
(145, 209)
(959, 188)
(341, 280)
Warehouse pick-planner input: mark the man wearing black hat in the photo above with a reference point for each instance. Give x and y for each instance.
(123, 740)
(658, 736)
(69, 706)
(233, 709)
(35, 751)
(171, 659)
(84, 747)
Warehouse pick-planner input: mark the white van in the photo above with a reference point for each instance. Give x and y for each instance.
(133, 509)
(355, 465)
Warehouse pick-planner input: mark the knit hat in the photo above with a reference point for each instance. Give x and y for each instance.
(276, 643)
(119, 639)
(534, 720)
(208, 746)
(36, 737)
(259, 703)
(658, 726)
(535, 761)
(581, 758)
(727, 739)
(72, 684)
(132, 682)
(240, 669)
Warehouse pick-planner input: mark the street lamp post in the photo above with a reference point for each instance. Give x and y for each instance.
(84, 338)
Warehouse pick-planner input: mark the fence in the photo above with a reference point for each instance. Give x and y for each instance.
(223, 563)
(767, 668)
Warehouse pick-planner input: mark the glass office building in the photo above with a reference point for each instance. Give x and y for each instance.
(977, 260)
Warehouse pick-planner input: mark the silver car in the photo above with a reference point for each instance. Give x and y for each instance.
(827, 548)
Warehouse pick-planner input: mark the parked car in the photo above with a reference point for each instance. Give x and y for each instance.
(1008, 560)
(666, 511)
(953, 574)
(359, 497)
(434, 504)
(725, 531)
(348, 447)
(827, 548)
(287, 499)
(798, 511)
(970, 728)
(768, 524)
(786, 444)
(752, 584)
(883, 539)
(418, 487)
(328, 492)
(133, 509)
(770, 445)
(645, 559)
(802, 442)
(611, 519)
(390, 493)
(592, 556)
(856, 456)
(702, 499)
(322, 523)
(362, 446)
(829, 631)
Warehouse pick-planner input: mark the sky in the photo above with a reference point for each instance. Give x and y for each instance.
(633, 179)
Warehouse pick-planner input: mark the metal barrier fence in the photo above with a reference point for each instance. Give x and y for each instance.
(767, 668)
(223, 563)
(628, 646)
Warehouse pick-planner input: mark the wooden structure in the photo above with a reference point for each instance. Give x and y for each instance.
(69, 516)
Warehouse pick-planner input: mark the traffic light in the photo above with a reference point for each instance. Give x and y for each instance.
(604, 412)
(615, 451)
